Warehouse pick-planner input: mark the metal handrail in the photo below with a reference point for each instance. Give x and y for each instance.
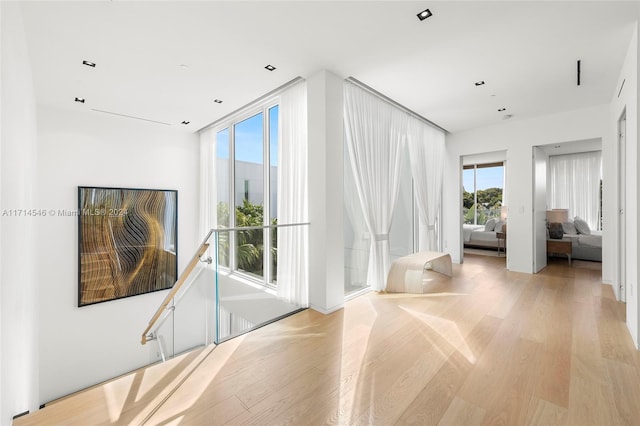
(246, 228)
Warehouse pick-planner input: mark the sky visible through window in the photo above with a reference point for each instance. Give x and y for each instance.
(489, 177)
(248, 140)
(250, 132)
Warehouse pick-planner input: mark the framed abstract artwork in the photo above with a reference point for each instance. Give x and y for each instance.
(127, 242)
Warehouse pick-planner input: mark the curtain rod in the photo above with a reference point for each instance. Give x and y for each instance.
(394, 103)
(577, 152)
(252, 103)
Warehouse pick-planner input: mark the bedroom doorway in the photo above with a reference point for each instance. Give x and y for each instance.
(483, 209)
(574, 184)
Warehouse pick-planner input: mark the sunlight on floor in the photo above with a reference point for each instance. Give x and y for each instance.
(216, 362)
(420, 295)
(447, 329)
(352, 364)
(115, 398)
(159, 382)
(175, 421)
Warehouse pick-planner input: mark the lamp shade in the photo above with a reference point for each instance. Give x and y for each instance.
(504, 210)
(557, 215)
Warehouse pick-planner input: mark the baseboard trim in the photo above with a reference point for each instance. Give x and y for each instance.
(326, 311)
(24, 413)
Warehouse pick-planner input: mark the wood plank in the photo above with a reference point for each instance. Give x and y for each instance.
(461, 412)
(432, 402)
(544, 413)
(615, 341)
(625, 386)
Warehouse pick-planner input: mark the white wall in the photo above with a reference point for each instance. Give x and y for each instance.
(540, 207)
(517, 137)
(18, 293)
(628, 100)
(326, 187)
(83, 346)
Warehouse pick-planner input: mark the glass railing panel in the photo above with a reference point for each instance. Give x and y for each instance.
(183, 320)
(248, 300)
(162, 343)
(194, 314)
(215, 299)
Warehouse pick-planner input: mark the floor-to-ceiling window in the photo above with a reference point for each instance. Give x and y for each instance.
(482, 196)
(246, 169)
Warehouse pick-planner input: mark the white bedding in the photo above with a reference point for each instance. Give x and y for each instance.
(590, 240)
(483, 236)
(593, 240)
(468, 229)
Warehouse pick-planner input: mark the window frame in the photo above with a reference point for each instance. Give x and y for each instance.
(475, 167)
(263, 107)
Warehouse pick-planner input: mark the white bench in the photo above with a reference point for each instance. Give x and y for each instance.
(410, 274)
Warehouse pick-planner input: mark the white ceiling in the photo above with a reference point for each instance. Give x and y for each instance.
(526, 53)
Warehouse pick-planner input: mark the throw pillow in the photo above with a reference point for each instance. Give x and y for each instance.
(499, 225)
(569, 228)
(490, 225)
(581, 226)
(555, 231)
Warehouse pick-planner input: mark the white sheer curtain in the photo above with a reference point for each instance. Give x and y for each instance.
(357, 250)
(575, 185)
(293, 252)
(208, 189)
(375, 132)
(427, 151)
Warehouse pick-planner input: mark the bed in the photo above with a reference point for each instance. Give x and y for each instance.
(478, 236)
(586, 247)
(586, 244)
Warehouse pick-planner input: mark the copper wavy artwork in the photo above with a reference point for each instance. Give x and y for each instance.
(127, 242)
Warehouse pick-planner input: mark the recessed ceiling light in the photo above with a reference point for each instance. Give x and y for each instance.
(81, 100)
(424, 14)
(479, 83)
(89, 64)
(502, 109)
(270, 68)
(186, 122)
(218, 101)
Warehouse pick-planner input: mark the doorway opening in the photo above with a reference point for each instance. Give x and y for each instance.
(484, 212)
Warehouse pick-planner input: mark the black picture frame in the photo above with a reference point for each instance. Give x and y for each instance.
(127, 242)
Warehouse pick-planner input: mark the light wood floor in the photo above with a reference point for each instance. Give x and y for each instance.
(489, 347)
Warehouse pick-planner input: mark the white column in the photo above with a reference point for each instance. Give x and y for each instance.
(20, 249)
(326, 186)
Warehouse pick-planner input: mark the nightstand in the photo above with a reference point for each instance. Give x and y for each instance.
(502, 242)
(559, 246)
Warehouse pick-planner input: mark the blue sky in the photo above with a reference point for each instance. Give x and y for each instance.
(489, 177)
(249, 139)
